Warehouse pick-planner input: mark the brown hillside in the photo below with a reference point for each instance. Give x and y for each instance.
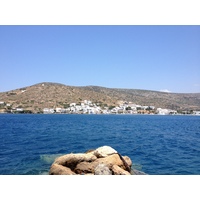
(51, 95)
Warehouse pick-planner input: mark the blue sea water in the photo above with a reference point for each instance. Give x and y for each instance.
(157, 145)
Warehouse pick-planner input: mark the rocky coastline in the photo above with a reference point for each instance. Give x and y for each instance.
(102, 161)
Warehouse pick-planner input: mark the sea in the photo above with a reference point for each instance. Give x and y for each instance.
(156, 144)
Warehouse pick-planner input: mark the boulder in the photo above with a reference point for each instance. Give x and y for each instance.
(110, 161)
(127, 166)
(119, 171)
(102, 169)
(60, 170)
(137, 172)
(127, 160)
(104, 151)
(71, 160)
(102, 161)
(85, 167)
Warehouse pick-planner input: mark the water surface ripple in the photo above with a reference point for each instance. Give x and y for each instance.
(159, 145)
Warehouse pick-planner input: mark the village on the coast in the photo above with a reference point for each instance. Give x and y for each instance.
(88, 107)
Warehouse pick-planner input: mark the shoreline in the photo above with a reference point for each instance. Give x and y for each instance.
(99, 114)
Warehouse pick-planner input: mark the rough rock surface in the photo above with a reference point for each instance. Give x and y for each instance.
(137, 172)
(60, 170)
(102, 169)
(104, 151)
(119, 171)
(101, 161)
(71, 160)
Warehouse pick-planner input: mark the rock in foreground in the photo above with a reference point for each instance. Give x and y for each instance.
(101, 161)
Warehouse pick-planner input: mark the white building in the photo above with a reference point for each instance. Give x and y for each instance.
(162, 111)
(19, 109)
(48, 110)
(58, 110)
(196, 112)
(85, 102)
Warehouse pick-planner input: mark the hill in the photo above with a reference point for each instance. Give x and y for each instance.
(51, 95)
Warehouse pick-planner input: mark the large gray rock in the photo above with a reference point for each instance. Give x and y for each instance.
(102, 169)
(137, 172)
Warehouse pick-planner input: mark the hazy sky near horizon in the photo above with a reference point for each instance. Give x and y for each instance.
(136, 57)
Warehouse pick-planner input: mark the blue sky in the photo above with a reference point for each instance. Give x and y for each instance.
(136, 57)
